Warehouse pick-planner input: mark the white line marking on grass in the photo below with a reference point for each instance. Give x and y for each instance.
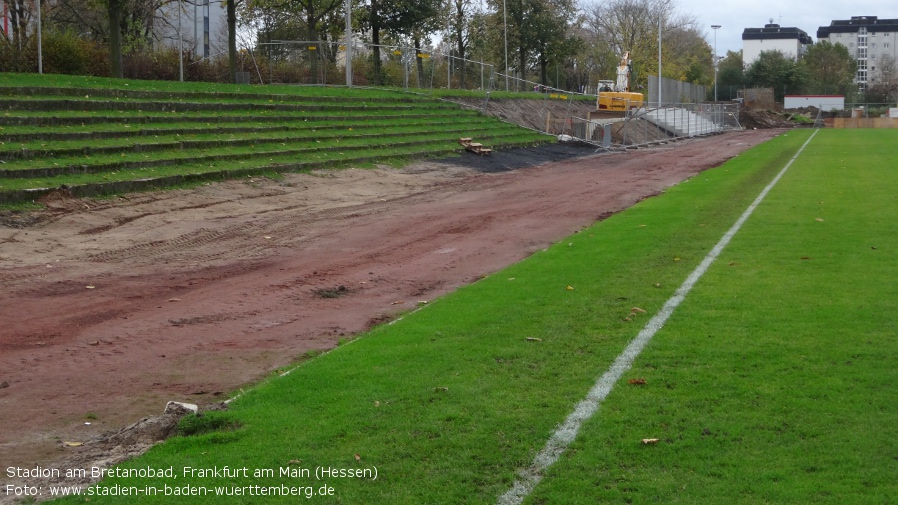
(567, 432)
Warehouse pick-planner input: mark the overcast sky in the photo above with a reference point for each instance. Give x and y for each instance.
(734, 16)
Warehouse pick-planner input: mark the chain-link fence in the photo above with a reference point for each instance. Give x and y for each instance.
(324, 63)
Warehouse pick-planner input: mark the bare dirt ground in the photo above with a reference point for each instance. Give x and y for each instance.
(111, 308)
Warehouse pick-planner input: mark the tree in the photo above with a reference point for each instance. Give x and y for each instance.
(414, 19)
(632, 25)
(459, 25)
(115, 8)
(730, 75)
(553, 38)
(883, 86)
(830, 68)
(774, 70)
(315, 13)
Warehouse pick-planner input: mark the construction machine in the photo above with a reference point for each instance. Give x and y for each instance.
(619, 97)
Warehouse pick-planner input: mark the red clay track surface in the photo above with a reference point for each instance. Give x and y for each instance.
(111, 308)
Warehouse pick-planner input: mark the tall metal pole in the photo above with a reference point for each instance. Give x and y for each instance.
(180, 47)
(505, 26)
(660, 17)
(448, 55)
(715, 28)
(348, 43)
(40, 56)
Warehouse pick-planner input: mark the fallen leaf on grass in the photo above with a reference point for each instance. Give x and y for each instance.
(818, 219)
(376, 403)
(357, 457)
(294, 462)
(650, 441)
(441, 388)
(534, 339)
(570, 288)
(634, 310)
(637, 381)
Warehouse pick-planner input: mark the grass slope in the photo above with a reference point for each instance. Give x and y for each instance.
(94, 136)
(770, 384)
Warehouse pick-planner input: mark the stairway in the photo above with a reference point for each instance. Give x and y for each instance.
(681, 122)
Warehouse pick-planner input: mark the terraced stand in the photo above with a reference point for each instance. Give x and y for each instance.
(101, 141)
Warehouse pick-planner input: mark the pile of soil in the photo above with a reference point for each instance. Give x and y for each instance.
(752, 119)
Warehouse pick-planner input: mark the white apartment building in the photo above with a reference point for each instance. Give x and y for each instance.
(868, 39)
(790, 41)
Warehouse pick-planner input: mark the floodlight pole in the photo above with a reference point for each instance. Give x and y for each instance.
(715, 28)
(40, 56)
(505, 27)
(180, 47)
(660, 17)
(348, 43)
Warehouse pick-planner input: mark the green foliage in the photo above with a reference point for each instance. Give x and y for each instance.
(730, 75)
(206, 422)
(829, 67)
(774, 70)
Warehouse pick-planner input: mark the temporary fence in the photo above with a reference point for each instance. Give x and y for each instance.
(674, 91)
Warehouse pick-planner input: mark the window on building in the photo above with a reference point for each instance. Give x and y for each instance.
(873, 45)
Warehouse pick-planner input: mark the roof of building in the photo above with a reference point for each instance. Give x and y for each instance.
(775, 31)
(872, 23)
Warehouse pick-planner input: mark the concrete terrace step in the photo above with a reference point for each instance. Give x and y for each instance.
(681, 122)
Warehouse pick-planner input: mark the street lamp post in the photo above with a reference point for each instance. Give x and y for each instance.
(505, 29)
(347, 51)
(180, 47)
(40, 44)
(660, 18)
(715, 28)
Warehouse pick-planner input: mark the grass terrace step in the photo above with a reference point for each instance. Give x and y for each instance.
(24, 190)
(25, 167)
(307, 94)
(69, 144)
(94, 141)
(78, 118)
(89, 104)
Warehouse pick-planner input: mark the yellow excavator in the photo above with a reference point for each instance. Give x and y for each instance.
(619, 97)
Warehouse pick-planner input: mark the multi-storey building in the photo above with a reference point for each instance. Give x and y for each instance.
(868, 38)
(790, 41)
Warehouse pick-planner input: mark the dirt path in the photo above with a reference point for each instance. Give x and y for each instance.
(110, 308)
